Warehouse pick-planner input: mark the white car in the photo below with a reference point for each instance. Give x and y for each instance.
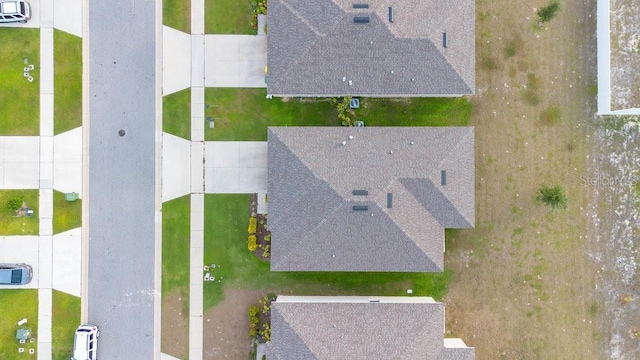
(14, 11)
(85, 342)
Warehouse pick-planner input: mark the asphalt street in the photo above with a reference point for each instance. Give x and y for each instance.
(121, 181)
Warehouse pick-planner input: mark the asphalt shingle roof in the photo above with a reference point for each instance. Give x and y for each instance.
(316, 49)
(360, 330)
(312, 177)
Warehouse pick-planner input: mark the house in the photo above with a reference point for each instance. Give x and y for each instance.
(358, 327)
(618, 58)
(367, 199)
(374, 48)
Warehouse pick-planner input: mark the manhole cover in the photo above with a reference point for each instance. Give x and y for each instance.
(121, 132)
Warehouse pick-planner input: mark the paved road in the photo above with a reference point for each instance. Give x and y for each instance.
(121, 251)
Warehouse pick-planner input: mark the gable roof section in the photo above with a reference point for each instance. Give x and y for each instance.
(312, 177)
(355, 328)
(316, 49)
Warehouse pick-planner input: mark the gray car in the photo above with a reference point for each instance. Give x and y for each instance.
(15, 274)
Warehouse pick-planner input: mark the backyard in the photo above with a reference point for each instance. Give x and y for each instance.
(525, 278)
(16, 306)
(20, 105)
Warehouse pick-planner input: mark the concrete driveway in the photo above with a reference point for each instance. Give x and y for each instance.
(21, 249)
(235, 60)
(19, 162)
(235, 167)
(176, 167)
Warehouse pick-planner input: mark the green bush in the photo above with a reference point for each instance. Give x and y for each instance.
(14, 203)
(254, 320)
(265, 332)
(251, 244)
(547, 13)
(253, 224)
(552, 196)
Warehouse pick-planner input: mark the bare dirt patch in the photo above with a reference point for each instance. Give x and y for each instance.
(175, 325)
(226, 326)
(524, 284)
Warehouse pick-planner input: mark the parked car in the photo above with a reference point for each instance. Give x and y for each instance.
(14, 11)
(15, 274)
(85, 342)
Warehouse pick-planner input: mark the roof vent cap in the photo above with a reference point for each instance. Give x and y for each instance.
(344, 143)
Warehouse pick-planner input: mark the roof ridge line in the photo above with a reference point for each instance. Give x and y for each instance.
(301, 18)
(402, 228)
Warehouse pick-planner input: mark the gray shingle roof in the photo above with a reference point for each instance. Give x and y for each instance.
(359, 330)
(315, 48)
(311, 179)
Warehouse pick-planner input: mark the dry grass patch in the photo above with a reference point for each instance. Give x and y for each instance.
(524, 284)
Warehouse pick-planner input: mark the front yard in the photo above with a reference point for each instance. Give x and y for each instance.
(20, 105)
(16, 305)
(14, 220)
(227, 17)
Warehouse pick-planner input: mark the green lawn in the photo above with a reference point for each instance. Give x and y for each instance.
(227, 17)
(177, 14)
(175, 245)
(245, 114)
(176, 114)
(15, 306)
(66, 215)
(10, 224)
(225, 246)
(67, 56)
(66, 317)
(19, 98)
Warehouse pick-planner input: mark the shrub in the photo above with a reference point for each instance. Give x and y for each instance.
(343, 110)
(254, 320)
(14, 203)
(552, 196)
(267, 237)
(266, 251)
(251, 244)
(266, 304)
(265, 332)
(253, 224)
(547, 13)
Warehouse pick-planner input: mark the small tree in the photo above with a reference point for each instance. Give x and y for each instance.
(14, 203)
(547, 13)
(552, 196)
